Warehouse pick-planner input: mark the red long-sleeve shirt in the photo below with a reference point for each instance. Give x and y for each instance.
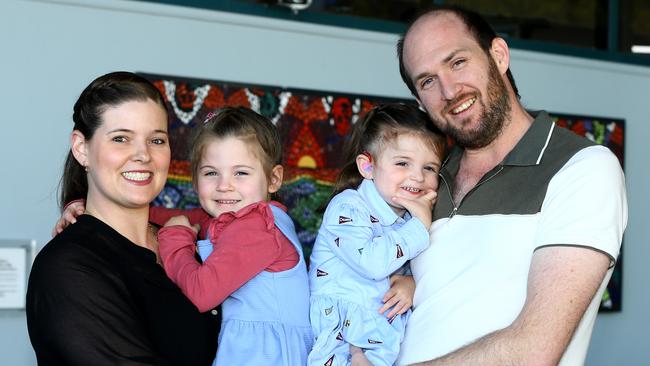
(245, 243)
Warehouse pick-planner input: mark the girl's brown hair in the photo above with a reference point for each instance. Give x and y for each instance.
(381, 125)
(255, 130)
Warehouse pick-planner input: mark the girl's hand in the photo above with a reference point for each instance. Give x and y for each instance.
(420, 207)
(69, 215)
(182, 220)
(399, 296)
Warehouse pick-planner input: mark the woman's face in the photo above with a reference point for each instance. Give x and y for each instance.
(128, 156)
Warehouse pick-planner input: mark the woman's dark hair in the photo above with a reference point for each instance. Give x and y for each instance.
(257, 131)
(106, 91)
(478, 27)
(381, 125)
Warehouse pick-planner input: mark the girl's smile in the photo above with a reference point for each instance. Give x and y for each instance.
(230, 177)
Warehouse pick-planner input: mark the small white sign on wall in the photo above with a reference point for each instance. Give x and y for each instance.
(15, 260)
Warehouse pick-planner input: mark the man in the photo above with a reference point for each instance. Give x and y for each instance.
(529, 218)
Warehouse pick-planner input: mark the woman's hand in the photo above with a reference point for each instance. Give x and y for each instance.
(400, 295)
(69, 215)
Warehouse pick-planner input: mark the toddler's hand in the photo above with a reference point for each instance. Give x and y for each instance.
(182, 220)
(420, 207)
(69, 215)
(399, 296)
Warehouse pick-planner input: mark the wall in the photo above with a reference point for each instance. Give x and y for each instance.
(50, 50)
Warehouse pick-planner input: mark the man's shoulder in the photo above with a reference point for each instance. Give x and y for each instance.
(596, 161)
(564, 145)
(565, 137)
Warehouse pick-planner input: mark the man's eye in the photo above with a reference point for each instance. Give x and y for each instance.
(458, 63)
(120, 139)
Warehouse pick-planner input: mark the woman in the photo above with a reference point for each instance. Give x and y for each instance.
(96, 293)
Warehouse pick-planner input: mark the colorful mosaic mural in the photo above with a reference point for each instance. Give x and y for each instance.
(313, 125)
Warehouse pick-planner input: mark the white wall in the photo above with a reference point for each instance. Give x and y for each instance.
(50, 50)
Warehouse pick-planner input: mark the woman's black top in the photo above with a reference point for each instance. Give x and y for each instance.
(95, 298)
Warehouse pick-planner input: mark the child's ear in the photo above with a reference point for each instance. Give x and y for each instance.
(364, 165)
(79, 147)
(276, 178)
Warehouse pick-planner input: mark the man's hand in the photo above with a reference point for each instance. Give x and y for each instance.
(399, 296)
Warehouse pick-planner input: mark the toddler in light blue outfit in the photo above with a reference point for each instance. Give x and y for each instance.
(377, 222)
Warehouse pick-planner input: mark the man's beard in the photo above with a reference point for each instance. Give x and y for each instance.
(491, 121)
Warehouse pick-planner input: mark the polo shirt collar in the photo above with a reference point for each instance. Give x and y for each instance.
(528, 151)
(378, 206)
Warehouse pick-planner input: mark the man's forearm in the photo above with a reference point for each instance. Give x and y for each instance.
(497, 348)
(561, 284)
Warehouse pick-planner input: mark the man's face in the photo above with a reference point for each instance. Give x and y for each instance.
(457, 83)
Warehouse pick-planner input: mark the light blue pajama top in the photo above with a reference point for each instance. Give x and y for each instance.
(266, 321)
(361, 242)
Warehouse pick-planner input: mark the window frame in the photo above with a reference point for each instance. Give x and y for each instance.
(392, 27)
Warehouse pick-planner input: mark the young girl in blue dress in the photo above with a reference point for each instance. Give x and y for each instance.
(378, 219)
(252, 259)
